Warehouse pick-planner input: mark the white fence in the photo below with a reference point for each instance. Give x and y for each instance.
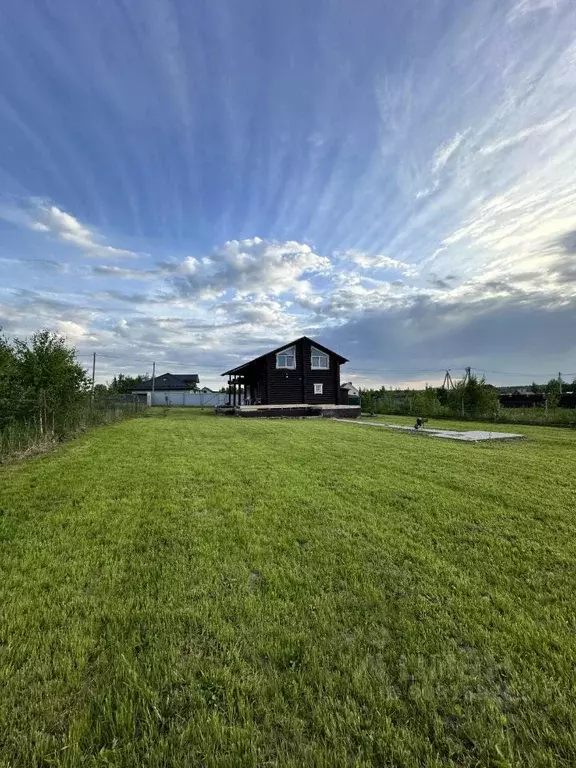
(188, 399)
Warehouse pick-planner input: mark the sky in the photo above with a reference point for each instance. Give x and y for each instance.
(194, 183)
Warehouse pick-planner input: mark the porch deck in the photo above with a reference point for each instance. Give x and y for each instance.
(292, 411)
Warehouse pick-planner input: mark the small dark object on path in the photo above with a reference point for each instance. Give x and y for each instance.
(420, 422)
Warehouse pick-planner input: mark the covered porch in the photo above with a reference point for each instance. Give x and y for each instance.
(246, 385)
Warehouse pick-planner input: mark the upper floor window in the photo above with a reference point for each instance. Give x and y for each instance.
(286, 358)
(320, 360)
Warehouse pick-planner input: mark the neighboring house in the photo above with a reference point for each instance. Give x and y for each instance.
(167, 384)
(301, 372)
(190, 379)
(352, 390)
(515, 390)
(206, 391)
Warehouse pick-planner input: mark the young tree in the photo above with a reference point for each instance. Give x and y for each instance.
(442, 395)
(474, 398)
(51, 378)
(123, 385)
(553, 392)
(9, 389)
(426, 402)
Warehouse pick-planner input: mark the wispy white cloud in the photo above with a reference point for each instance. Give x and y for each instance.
(125, 274)
(446, 151)
(377, 261)
(539, 129)
(50, 219)
(524, 8)
(46, 218)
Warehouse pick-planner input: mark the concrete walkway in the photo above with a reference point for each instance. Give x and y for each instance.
(470, 436)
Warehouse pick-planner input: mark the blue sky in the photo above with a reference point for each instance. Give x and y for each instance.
(193, 182)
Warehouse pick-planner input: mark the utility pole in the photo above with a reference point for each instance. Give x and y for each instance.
(560, 381)
(448, 383)
(153, 380)
(467, 374)
(93, 374)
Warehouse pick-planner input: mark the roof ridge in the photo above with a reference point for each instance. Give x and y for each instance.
(285, 346)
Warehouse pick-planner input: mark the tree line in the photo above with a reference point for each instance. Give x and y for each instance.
(473, 398)
(120, 384)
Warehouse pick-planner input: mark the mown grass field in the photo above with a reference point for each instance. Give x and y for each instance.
(187, 590)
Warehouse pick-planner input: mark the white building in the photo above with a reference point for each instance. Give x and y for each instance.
(352, 390)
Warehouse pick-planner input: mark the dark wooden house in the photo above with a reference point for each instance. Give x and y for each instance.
(301, 372)
(168, 382)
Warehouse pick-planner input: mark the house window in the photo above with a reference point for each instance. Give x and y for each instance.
(286, 358)
(320, 360)
(318, 389)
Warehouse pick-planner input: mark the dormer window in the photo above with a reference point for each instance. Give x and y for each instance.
(320, 360)
(286, 358)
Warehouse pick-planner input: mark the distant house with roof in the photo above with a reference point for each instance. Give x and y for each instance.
(167, 384)
(351, 389)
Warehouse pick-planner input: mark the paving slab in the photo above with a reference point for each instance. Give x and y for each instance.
(469, 436)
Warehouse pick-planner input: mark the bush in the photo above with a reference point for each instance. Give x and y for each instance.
(45, 397)
(474, 398)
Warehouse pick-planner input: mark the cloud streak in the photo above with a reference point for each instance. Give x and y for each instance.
(444, 153)
(48, 219)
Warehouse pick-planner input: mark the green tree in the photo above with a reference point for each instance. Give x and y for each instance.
(426, 402)
(9, 389)
(123, 385)
(537, 389)
(474, 398)
(50, 377)
(442, 395)
(553, 391)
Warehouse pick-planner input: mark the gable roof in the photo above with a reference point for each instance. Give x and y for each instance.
(189, 378)
(168, 381)
(321, 347)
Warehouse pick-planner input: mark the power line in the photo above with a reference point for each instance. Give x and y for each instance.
(148, 361)
(178, 364)
(524, 375)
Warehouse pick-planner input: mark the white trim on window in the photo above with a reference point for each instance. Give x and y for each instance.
(318, 389)
(319, 360)
(286, 358)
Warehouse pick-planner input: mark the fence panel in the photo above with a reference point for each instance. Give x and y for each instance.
(190, 399)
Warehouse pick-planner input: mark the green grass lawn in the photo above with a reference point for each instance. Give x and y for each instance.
(187, 590)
